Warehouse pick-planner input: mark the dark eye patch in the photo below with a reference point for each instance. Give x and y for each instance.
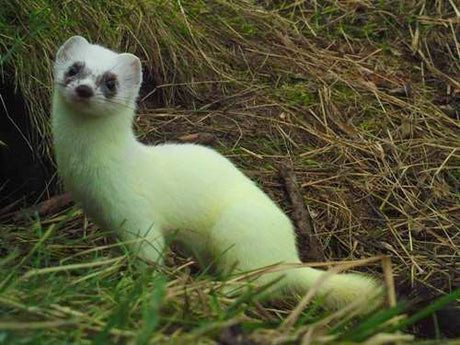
(75, 71)
(108, 83)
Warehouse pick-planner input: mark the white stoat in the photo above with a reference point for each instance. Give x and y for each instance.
(187, 190)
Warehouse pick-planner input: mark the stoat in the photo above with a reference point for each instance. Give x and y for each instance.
(186, 190)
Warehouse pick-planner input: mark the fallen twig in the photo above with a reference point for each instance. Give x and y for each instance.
(311, 248)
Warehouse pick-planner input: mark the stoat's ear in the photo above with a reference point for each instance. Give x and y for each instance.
(69, 48)
(131, 68)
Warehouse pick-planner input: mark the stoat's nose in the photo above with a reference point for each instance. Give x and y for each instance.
(84, 91)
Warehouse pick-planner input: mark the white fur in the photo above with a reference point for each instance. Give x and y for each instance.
(184, 190)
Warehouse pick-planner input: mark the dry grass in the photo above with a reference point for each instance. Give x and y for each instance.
(360, 97)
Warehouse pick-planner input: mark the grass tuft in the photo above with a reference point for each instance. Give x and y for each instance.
(360, 97)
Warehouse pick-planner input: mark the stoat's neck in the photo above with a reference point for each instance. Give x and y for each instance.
(92, 142)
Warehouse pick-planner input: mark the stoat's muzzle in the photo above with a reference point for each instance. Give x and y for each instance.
(84, 91)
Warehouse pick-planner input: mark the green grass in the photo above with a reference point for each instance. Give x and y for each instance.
(83, 291)
(356, 95)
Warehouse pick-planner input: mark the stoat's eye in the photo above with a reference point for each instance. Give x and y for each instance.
(110, 84)
(74, 69)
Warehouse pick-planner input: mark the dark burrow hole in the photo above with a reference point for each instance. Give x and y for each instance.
(23, 173)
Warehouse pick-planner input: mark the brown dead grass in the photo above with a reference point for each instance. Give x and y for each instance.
(366, 130)
(359, 97)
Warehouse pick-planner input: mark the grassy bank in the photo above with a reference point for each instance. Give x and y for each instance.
(358, 98)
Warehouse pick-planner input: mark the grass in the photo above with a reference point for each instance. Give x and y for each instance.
(78, 288)
(360, 97)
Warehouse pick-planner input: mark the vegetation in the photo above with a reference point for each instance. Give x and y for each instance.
(358, 97)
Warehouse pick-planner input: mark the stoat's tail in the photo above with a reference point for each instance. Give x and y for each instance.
(336, 290)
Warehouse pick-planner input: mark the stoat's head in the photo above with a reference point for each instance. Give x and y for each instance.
(96, 81)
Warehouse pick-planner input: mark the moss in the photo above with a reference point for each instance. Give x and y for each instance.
(296, 95)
